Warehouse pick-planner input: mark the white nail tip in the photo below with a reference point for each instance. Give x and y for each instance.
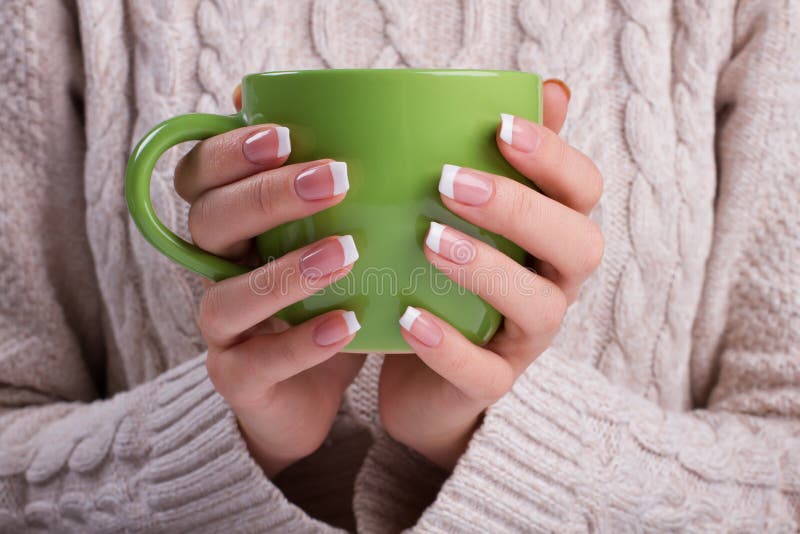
(408, 317)
(434, 238)
(353, 325)
(284, 143)
(349, 248)
(447, 180)
(506, 127)
(340, 181)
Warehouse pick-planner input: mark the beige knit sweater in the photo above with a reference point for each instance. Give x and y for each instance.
(670, 400)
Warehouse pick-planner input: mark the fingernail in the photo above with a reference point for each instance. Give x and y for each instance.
(563, 86)
(322, 181)
(335, 329)
(518, 133)
(328, 256)
(465, 185)
(267, 145)
(420, 327)
(450, 244)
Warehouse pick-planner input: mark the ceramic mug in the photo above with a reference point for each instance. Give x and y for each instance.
(395, 128)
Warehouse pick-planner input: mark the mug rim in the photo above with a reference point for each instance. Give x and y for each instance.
(395, 72)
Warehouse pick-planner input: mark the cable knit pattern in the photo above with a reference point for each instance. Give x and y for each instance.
(222, 59)
(670, 399)
(655, 203)
(107, 223)
(369, 47)
(589, 25)
(163, 76)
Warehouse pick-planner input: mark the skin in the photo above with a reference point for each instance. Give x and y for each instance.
(285, 389)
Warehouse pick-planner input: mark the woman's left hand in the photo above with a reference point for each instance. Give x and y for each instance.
(434, 402)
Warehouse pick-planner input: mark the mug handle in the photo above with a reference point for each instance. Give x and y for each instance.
(191, 127)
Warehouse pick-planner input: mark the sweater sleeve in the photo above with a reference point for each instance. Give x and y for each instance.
(567, 450)
(166, 456)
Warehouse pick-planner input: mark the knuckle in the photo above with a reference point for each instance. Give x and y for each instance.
(590, 188)
(206, 158)
(213, 152)
(569, 161)
(247, 380)
(592, 250)
(188, 166)
(265, 280)
(253, 365)
(199, 215)
(498, 383)
(264, 194)
(523, 207)
(553, 311)
(593, 186)
(180, 176)
(562, 157)
(210, 314)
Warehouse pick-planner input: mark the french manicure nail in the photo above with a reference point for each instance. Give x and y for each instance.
(450, 244)
(336, 328)
(465, 185)
(267, 145)
(518, 133)
(425, 330)
(328, 256)
(322, 181)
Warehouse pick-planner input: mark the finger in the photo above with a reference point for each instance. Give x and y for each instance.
(228, 157)
(533, 303)
(480, 374)
(244, 372)
(561, 171)
(232, 306)
(555, 100)
(545, 228)
(237, 97)
(264, 201)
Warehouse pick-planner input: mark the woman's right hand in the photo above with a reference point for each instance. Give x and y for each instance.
(285, 387)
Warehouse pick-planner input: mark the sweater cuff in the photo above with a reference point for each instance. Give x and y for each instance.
(525, 465)
(395, 484)
(198, 473)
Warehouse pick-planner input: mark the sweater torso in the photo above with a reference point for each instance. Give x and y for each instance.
(669, 399)
(642, 109)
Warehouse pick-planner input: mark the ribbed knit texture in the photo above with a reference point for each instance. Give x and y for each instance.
(670, 399)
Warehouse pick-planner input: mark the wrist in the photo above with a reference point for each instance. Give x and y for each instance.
(444, 450)
(270, 462)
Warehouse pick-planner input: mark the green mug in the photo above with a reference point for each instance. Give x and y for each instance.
(395, 128)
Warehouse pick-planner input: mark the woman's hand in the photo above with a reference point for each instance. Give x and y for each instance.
(284, 386)
(433, 403)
